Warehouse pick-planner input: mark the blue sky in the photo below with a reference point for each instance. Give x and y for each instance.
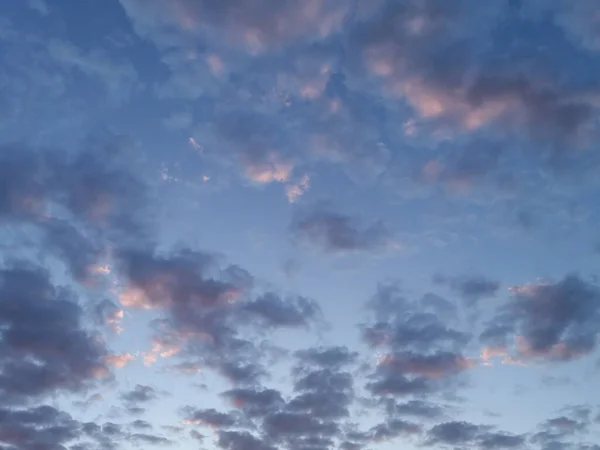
(304, 225)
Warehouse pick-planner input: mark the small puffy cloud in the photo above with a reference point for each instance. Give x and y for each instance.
(269, 170)
(140, 394)
(472, 288)
(149, 439)
(119, 360)
(297, 189)
(394, 428)
(420, 352)
(548, 321)
(272, 310)
(108, 313)
(418, 408)
(451, 434)
(327, 357)
(255, 403)
(210, 418)
(241, 440)
(162, 347)
(434, 365)
(336, 232)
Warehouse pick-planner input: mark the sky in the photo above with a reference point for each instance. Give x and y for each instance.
(299, 224)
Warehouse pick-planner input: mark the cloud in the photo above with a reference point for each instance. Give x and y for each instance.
(119, 78)
(576, 19)
(255, 403)
(141, 424)
(209, 418)
(335, 232)
(420, 353)
(271, 310)
(152, 439)
(119, 360)
(288, 426)
(108, 313)
(235, 440)
(546, 321)
(468, 434)
(327, 357)
(472, 288)
(430, 56)
(567, 430)
(45, 347)
(295, 190)
(394, 428)
(39, 6)
(419, 409)
(242, 23)
(433, 365)
(402, 323)
(267, 171)
(210, 309)
(81, 204)
(311, 417)
(27, 429)
(139, 394)
(323, 393)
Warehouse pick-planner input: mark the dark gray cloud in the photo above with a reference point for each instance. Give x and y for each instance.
(95, 184)
(45, 347)
(106, 312)
(553, 321)
(568, 430)
(151, 439)
(139, 394)
(339, 233)
(211, 310)
(45, 427)
(210, 418)
(290, 426)
(312, 417)
(328, 357)
(417, 408)
(81, 203)
(402, 323)
(573, 421)
(431, 302)
(80, 252)
(339, 78)
(394, 428)
(323, 394)
(452, 434)
(471, 288)
(35, 428)
(255, 403)
(431, 365)
(234, 440)
(141, 424)
(421, 353)
(272, 310)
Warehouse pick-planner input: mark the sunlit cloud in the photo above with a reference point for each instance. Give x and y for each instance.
(160, 349)
(269, 171)
(296, 190)
(119, 360)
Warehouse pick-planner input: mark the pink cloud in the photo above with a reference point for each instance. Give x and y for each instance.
(119, 360)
